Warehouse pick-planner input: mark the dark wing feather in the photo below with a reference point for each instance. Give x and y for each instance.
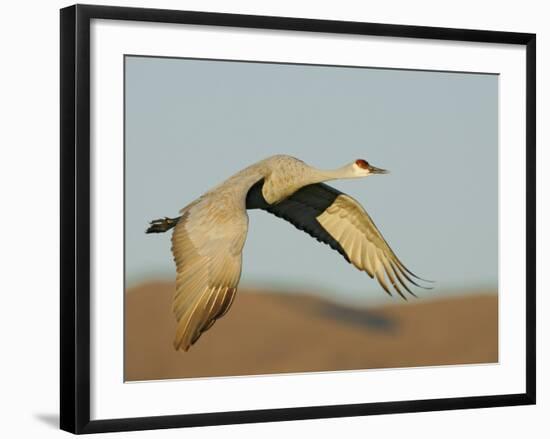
(301, 209)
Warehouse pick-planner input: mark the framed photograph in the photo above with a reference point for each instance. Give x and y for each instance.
(275, 218)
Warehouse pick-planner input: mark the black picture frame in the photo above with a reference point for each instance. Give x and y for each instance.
(75, 217)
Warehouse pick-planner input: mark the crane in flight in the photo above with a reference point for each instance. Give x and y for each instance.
(210, 233)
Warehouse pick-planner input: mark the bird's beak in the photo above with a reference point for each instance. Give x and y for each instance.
(374, 170)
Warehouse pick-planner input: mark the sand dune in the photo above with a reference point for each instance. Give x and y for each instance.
(266, 333)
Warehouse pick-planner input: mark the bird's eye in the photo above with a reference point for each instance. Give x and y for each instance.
(362, 163)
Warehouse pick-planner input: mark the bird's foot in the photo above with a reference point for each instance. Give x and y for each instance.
(161, 225)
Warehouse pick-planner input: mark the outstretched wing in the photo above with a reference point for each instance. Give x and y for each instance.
(207, 244)
(338, 220)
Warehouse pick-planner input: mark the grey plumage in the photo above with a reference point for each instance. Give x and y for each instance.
(209, 236)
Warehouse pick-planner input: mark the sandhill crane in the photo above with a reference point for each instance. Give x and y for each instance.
(209, 236)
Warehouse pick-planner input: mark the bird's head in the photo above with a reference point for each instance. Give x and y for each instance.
(358, 169)
(362, 168)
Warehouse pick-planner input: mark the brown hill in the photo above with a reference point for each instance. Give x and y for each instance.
(267, 332)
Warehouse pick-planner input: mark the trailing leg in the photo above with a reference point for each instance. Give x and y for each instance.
(162, 225)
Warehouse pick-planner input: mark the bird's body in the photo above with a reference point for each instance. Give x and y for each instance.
(209, 236)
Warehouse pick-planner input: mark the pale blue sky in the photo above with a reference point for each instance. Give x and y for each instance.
(192, 123)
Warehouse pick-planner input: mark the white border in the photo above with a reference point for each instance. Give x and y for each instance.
(111, 398)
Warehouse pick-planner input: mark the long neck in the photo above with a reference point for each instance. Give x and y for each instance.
(320, 175)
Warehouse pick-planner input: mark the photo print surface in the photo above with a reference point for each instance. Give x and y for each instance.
(270, 296)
